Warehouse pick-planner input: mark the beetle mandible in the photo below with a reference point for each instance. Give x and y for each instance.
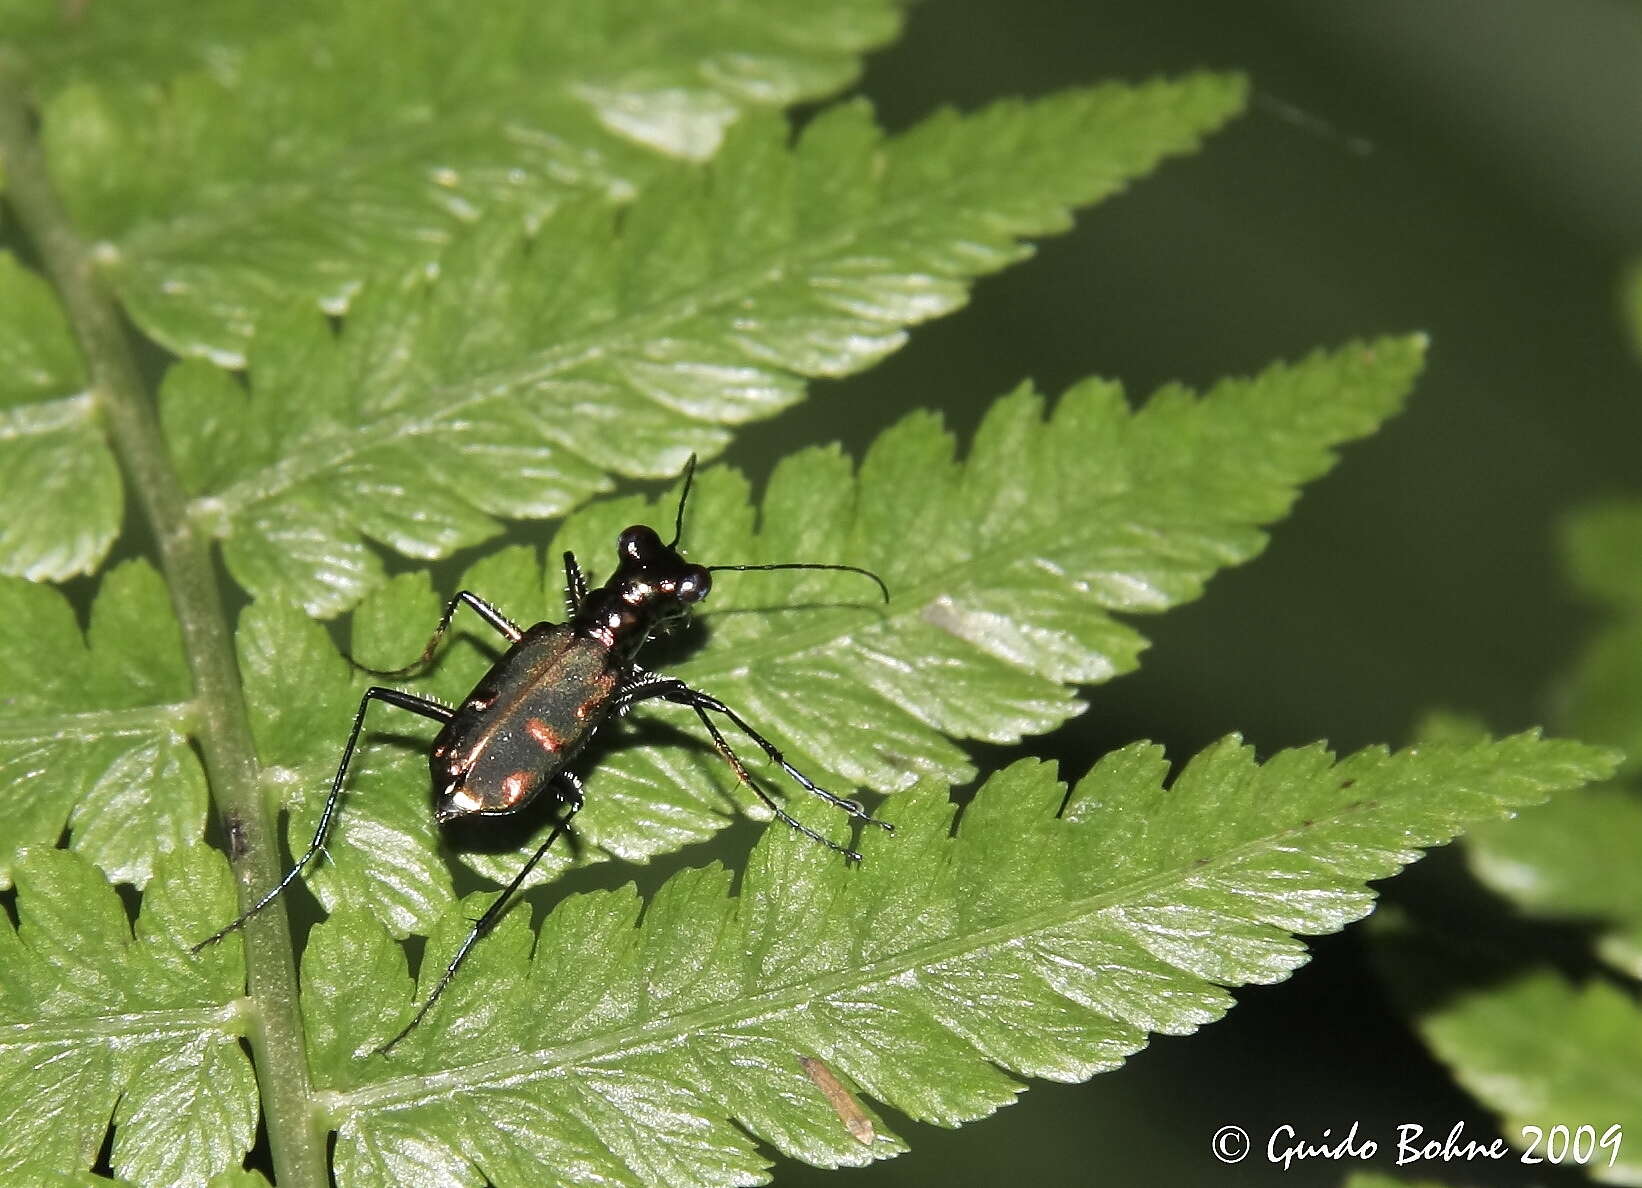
(517, 732)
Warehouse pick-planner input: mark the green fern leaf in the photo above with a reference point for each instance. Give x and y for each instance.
(96, 733)
(1543, 1052)
(545, 362)
(1581, 856)
(1032, 941)
(1008, 572)
(41, 1175)
(60, 497)
(412, 119)
(66, 45)
(96, 1025)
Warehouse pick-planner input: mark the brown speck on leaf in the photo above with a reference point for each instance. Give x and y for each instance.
(841, 1100)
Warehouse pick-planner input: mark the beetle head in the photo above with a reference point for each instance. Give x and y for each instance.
(652, 576)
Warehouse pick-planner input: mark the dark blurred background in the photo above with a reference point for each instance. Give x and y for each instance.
(1466, 169)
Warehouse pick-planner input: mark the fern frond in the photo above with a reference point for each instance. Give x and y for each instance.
(95, 738)
(302, 156)
(651, 1044)
(533, 365)
(97, 1025)
(1009, 571)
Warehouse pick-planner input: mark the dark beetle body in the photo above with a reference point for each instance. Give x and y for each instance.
(524, 721)
(528, 716)
(515, 735)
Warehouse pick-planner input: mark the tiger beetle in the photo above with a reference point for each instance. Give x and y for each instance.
(519, 729)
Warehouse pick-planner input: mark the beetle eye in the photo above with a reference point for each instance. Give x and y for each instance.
(637, 543)
(695, 583)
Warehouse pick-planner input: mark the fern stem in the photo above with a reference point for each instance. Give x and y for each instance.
(295, 1135)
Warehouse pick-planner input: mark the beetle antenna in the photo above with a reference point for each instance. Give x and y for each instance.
(810, 565)
(678, 522)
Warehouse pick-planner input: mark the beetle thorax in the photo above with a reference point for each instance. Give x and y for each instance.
(652, 584)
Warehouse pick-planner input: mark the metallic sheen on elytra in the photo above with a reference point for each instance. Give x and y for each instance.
(499, 749)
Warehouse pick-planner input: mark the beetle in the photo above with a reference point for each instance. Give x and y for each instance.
(517, 732)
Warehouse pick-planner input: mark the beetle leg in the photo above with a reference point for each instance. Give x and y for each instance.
(746, 778)
(703, 701)
(646, 685)
(639, 686)
(575, 584)
(503, 626)
(570, 795)
(394, 697)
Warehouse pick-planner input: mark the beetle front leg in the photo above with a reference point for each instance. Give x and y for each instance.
(503, 626)
(575, 584)
(394, 697)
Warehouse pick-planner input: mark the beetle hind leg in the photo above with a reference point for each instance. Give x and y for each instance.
(394, 697)
(571, 796)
